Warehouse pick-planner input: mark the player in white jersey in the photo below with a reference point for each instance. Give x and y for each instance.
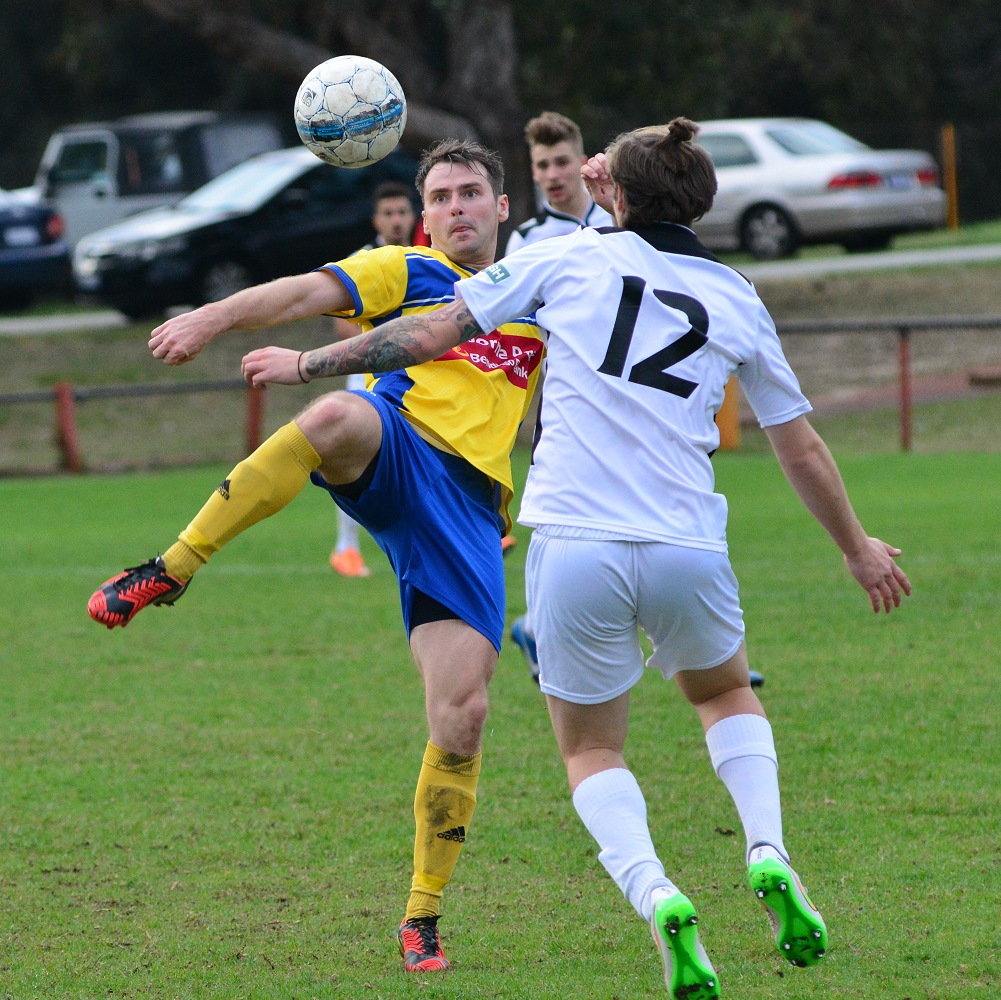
(645, 327)
(556, 149)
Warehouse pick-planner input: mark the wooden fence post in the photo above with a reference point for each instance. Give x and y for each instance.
(255, 419)
(66, 434)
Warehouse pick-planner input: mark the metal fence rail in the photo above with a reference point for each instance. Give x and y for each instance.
(903, 327)
(66, 396)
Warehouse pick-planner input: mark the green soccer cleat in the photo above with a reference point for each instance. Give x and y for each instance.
(687, 970)
(800, 931)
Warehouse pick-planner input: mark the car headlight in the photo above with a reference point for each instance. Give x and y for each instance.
(151, 249)
(141, 250)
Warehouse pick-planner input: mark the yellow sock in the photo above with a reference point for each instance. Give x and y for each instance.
(261, 485)
(443, 807)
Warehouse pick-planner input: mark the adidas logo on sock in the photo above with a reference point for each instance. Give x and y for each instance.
(223, 489)
(456, 833)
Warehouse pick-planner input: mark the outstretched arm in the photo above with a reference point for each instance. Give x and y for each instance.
(182, 338)
(813, 473)
(401, 343)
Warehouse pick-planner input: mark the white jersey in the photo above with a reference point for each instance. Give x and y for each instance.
(549, 223)
(644, 329)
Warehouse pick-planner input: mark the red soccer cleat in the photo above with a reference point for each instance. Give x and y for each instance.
(420, 946)
(121, 598)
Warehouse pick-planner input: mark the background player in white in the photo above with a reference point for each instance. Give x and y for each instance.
(645, 327)
(393, 220)
(556, 150)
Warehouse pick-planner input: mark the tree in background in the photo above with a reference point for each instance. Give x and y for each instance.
(890, 74)
(457, 62)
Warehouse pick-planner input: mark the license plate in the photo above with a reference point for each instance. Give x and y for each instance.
(900, 180)
(21, 236)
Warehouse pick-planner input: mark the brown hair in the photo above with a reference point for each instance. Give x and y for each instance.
(663, 174)
(550, 127)
(389, 189)
(468, 153)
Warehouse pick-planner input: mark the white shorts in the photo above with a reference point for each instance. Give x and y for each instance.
(588, 600)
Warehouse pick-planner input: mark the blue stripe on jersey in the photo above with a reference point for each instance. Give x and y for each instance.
(427, 280)
(393, 386)
(348, 283)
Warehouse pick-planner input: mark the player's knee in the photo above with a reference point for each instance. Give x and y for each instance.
(328, 422)
(461, 720)
(475, 711)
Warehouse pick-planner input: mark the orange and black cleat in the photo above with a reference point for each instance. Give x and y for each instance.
(420, 946)
(120, 599)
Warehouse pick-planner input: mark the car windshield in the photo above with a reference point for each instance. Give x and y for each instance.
(811, 138)
(245, 187)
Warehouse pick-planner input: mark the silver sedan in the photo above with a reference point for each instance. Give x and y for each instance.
(785, 182)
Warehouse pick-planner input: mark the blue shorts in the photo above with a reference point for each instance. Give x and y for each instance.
(437, 519)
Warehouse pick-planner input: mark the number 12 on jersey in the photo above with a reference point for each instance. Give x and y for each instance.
(652, 371)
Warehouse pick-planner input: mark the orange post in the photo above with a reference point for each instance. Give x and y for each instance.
(66, 427)
(255, 419)
(906, 396)
(728, 418)
(949, 175)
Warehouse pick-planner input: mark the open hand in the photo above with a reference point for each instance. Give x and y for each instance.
(878, 574)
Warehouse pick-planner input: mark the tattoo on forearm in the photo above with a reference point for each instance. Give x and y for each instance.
(401, 343)
(468, 327)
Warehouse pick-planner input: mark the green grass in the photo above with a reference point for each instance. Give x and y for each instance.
(968, 425)
(217, 801)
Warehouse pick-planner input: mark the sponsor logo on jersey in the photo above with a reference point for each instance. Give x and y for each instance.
(516, 356)
(497, 273)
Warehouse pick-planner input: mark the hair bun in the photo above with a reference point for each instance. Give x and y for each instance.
(682, 130)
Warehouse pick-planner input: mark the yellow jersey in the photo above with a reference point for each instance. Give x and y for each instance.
(470, 401)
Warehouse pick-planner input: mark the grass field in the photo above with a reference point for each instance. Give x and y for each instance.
(217, 801)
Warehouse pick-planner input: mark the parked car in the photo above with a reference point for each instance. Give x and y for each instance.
(786, 182)
(34, 257)
(280, 213)
(96, 173)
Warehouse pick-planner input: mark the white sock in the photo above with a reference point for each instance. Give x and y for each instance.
(347, 532)
(742, 751)
(613, 809)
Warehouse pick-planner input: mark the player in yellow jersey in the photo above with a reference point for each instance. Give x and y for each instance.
(421, 459)
(393, 220)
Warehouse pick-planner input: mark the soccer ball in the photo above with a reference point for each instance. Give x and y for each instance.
(350, 111)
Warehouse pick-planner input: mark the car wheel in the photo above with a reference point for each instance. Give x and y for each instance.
(767, 233)
(223, 278)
